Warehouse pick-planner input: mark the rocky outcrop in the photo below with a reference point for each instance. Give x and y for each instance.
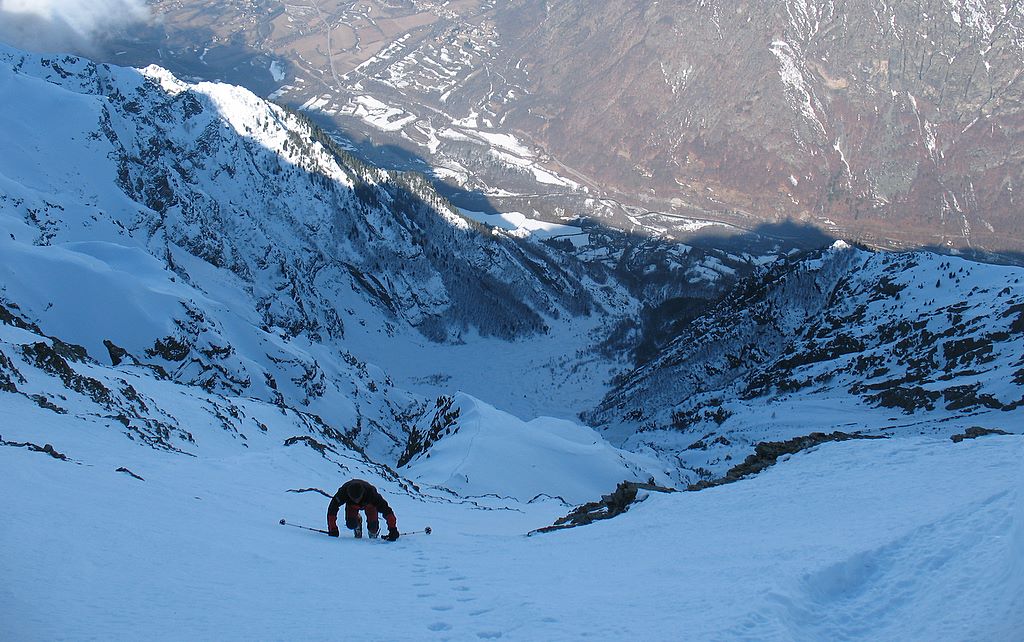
(443, 420)
(976, 431)
(611, 505)
(45, 448)
(767, 454)
(912, 335)
(122, 469)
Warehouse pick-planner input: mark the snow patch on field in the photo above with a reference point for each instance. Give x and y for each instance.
(277, 71)
(378, 114)
(522, 225)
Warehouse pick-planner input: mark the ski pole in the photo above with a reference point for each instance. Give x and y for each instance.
(425, 531)
(315, 530)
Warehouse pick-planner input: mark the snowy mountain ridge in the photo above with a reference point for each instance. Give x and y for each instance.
(207, 158)
(201, 230)
(900, 342)
(287, 234)
(468, 437)
(198, 231)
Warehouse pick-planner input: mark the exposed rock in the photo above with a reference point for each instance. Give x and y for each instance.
(51, 359)
(117, 353)
(977, 431)
(9, 375)
(310, 490)
(312, 443)
(169, 348)
(616, 503)
(43, 402)
(122, 469)
(46, 448)
(766, 453)
(443, 422)
(11, 318)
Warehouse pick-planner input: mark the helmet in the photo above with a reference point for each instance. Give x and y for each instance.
(355, 490)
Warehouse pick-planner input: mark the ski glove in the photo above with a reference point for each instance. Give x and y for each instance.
(392, 534)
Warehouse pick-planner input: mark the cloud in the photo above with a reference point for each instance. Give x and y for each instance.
(66, 25)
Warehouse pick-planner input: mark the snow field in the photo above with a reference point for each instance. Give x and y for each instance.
(915, 538)
(494, 453)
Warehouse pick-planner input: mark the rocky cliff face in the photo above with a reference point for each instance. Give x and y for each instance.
(920, 342)
(895, 123)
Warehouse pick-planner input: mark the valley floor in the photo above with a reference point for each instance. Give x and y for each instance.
(565, 378)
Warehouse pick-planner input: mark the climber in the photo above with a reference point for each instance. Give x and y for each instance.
(358, 495)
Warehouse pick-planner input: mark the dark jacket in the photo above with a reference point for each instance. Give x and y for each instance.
(371, 501)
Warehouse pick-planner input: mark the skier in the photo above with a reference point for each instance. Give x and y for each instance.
(358, 495)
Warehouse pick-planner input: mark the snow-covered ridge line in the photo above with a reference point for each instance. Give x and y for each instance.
(232, 243)
(471, 447)
(899, 342)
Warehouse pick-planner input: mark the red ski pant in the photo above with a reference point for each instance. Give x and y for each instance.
(353, 520)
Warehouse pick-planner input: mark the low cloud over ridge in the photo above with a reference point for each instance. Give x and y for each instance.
(66, 25)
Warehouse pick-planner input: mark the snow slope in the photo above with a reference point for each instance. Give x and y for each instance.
(916, 538)
(489, 452)
(163, 524)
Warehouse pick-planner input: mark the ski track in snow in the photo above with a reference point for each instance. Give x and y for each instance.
(898, 539)
(859, 597)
